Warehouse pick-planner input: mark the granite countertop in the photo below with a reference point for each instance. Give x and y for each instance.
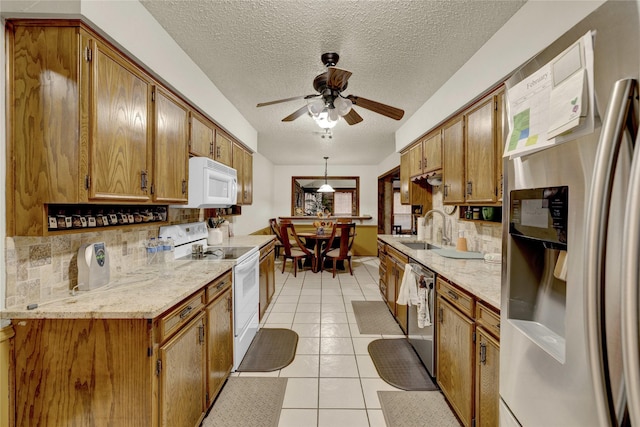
(144, 293)
(476, 276)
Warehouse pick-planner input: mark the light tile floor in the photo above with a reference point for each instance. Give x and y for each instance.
(332, 381)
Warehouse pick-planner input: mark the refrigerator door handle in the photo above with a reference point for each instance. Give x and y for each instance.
(629, 294)
(597, 218)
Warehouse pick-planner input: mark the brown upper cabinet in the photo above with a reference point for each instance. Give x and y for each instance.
(223, 149)
(243, 164)
(426, 156)
(88, 125)
(405, 197)
(453, 153)
(202, 133)
(171, 137)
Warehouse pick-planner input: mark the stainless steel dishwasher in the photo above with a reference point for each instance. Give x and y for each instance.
(422, 338)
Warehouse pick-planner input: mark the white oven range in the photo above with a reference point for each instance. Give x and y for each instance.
(246, 290)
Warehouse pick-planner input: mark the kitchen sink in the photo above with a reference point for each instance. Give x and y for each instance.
(420, 245)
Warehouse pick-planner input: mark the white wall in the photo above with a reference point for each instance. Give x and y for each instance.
(536, 25)
(390, 162)
(368, 185)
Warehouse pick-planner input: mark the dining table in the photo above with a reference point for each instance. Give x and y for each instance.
(317, 240)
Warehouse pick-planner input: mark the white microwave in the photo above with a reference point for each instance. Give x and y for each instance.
(211, 184)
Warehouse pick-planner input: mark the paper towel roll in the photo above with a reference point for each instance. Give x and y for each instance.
(420, 228)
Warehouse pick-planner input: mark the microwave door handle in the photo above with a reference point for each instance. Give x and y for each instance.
(611, 137)
(629, 294)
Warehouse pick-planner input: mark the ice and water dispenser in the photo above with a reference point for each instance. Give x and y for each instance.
(537, 266)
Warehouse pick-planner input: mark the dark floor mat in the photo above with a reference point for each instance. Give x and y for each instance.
(270, 350)
(398, 364)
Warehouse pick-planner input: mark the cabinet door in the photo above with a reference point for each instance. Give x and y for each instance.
(481, 154)
(404, 178)
(201, 143)
(453, 161)
(263, 281)
(415, 160)
(487, 379)
(455, 353)
(171, 158)
(391, 285)
(219, 343)
(500, 124)
(432, 153)
(223, 149)
(247, 179)
(401, 310)
(182, 376)
(238, 165)
(120, 136)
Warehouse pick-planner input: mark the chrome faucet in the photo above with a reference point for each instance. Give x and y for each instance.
(446, 240)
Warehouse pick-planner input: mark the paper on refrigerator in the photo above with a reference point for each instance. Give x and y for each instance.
(555, 104)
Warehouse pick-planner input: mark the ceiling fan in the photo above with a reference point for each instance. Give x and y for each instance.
(329, 104)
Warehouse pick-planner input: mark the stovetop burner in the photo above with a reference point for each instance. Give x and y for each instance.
(228, 252)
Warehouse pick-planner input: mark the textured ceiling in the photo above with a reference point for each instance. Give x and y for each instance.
(400, 53)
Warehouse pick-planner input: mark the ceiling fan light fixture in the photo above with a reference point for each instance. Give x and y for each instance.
(343, 105)
(315, 107)
(325, 121)
(325, 188)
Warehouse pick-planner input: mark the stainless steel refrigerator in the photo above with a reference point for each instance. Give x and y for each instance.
(571, 244)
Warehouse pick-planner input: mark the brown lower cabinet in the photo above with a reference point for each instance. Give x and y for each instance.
(467, 355)
(267, 277)
(164, 371)
(395, 262)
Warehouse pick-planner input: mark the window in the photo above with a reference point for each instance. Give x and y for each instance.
(401, 213)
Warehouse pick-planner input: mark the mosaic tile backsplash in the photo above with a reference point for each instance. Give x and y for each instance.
(481, 236)
(45, 268)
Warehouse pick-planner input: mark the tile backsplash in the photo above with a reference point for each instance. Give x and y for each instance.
(481, 236)
(45, 268)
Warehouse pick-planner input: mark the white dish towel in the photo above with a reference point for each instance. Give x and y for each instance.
(424, 314)
(408, 293)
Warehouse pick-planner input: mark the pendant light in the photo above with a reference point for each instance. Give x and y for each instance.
(325, 188)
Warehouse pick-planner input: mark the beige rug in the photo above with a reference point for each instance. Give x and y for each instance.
(374, 317)
(248, 401)
(416, 409)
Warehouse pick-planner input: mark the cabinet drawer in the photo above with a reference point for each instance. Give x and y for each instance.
(488, 318)
(264, 251)
(174, 319)
(217, 286)
(399, 256)
(455, 296)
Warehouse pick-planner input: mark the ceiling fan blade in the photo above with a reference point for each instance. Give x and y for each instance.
(264, 104)
(377, 107)
(352, 117)
(337, 78)
(299, 112)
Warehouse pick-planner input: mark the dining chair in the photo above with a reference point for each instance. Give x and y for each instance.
(294, 251)
(275, 229)
(346, 234)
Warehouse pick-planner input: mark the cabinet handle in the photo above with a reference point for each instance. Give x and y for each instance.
(419, 164)
(221, 284)
(217, 151)
(452, 294)
(469, 187)
(211, 148)
(483, 353)
(424, 163)
(143, 180)
(441, 315)
(184, 313)
(446, 190)
(201, 334)
(229, 305)
(498, 326)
